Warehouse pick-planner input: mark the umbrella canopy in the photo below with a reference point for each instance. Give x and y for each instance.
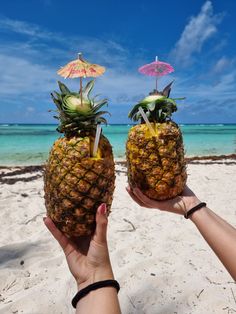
(157, 69)
(81, 68)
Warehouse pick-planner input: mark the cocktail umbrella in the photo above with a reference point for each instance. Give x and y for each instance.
(157, 69)
(82, 69)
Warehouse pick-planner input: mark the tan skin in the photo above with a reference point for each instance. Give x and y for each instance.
(178, 205)
(219, 234)
(89, 262)
(88, 258)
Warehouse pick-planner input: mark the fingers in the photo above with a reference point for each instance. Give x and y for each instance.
(63, 241)
(144, 199)
(175, 205)
(135, 198)
(100, 234)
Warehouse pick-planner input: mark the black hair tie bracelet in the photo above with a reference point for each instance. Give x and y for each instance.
(191, 211)
(94, 286)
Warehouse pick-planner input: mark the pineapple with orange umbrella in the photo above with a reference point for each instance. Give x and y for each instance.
(82, 69)
(79, 175)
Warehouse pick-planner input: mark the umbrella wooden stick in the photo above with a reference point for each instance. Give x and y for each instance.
(81, 88)
(156, 76)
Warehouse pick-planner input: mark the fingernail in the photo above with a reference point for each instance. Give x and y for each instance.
(103, 209)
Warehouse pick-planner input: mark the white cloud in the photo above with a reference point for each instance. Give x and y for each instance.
(104, 51)
(30, 109)
(221, 65)
(199, 29)
(22, 77)
(225, 85)
(28, 68)
(22, 27)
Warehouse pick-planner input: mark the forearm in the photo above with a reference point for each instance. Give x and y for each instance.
(103, 300)
(220, 235)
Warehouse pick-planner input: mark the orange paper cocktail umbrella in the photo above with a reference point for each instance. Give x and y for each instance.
(82, 69)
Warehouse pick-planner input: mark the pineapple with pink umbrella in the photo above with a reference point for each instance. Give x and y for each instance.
(154, 149)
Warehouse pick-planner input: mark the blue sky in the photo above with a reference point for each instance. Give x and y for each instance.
(198, 38)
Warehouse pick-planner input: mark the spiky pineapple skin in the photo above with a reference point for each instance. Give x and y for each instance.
(156, 164)
(76, 184)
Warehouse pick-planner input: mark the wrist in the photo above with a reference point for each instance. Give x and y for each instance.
(94, 291)
(190, 203)
(97, 275)
(199, 214)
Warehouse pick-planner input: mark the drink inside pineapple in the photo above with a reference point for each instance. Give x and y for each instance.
(156, 164)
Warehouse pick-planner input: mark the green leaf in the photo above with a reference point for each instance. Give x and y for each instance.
(136, 109)
(63, 88)
(57, 103)
(100, 113)
(148, 114)
(87, 90)
(99, 105)
(96, 96)
(167, 89)
(181, 98)
(56, 95)
(101, 120)
(170, 100)
(151, 106)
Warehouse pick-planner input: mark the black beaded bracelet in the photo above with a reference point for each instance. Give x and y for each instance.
(192, 210)
(94, 286)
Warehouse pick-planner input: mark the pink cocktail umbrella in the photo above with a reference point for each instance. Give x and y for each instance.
(157, 69)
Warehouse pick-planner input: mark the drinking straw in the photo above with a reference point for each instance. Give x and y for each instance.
(97, 137)
(145, 118)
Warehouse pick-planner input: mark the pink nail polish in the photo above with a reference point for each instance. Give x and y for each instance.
(103, 209)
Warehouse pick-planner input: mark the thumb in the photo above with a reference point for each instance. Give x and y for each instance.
(100, 234)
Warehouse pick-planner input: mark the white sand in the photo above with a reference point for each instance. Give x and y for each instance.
(160, 259)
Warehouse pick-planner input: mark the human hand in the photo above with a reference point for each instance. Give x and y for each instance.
(178, 205)
(87, 257)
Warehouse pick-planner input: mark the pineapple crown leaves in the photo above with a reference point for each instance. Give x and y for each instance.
(157, 106)
(75, 115)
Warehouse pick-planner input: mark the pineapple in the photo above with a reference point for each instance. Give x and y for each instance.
(75, 182)
(155, 160)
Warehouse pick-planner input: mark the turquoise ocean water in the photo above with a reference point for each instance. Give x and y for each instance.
(30, 144)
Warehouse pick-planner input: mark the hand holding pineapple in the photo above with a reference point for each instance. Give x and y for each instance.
(88, 261)
(87, 257)
(178, 205)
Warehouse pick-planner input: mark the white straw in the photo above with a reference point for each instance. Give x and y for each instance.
(96, 141)
(145, 118)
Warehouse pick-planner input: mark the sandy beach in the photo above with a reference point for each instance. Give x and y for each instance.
(160, 260)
